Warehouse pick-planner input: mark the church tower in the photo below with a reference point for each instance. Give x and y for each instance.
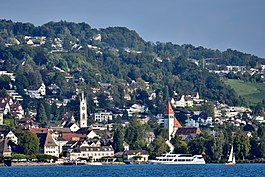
(169, 120)
(83, 111)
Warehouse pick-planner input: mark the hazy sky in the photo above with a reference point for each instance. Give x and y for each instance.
(216, 24)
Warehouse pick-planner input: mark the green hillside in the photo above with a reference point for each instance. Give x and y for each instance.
(251, 92)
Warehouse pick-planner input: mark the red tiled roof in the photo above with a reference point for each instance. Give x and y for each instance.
(72, 136)
(177, 124)
(169, 109)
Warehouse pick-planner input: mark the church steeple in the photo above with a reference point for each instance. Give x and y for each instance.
(83, 111)
(169, 120)
(169, 109)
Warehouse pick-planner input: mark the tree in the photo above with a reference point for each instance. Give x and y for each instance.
(3, 93)
(217, 147)
(242, 145)
(41, 114)
(4, 82)
(261, 134)
(118, 140)
(181, 147)
(28, 143)
(158, 147)
(197, 145)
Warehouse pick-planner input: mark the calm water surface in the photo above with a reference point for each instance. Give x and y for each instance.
(209, 170)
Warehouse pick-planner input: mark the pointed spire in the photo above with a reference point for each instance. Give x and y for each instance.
(169, 109)
(177, 124)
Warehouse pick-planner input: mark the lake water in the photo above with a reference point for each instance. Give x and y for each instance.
(209, 170)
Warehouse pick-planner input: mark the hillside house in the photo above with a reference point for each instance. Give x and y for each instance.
(36, 91)
(181, 101)
(136, 108)
(9, 136)
(103, 116)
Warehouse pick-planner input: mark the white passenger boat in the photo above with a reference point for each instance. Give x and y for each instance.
(178, 159)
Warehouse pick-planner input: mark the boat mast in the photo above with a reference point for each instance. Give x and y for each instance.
(230, 159)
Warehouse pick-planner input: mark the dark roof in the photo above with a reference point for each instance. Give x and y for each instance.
(136, 152)
(68, 124)
(49, 140)
(34, 87)
(61, 130)
(84, 130)
(101, 148)
(4, 132)
(187, 131)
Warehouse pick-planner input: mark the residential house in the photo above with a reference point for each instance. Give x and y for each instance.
(92, 152)
(126, 146)
(106, 86)
(9, 136)
(182, 101)
(88, 133)
(51, 146)
(17, 110)
(188, 133)
(14, 95)
(36, 91)
(98, 126)
(4, 107)
(71, 125)
(53, 89)
(133, 156)
(136, 108)
(103, 116)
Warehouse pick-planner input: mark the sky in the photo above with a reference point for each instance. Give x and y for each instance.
(215, 24)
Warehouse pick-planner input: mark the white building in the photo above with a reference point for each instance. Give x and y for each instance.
(103, 116)
(136, 108)
(95, 153)
(36, 92)
(51, 146)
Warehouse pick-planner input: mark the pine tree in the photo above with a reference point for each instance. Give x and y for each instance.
(118, 140)
(41, 114)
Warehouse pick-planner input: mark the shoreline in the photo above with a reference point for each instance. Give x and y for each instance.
(50, 164)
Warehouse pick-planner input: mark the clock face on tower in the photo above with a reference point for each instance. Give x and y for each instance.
(83, 108)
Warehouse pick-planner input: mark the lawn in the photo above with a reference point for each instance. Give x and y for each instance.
(252, 92)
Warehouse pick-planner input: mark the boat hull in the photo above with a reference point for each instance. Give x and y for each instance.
(176, 163)
(230, 164)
